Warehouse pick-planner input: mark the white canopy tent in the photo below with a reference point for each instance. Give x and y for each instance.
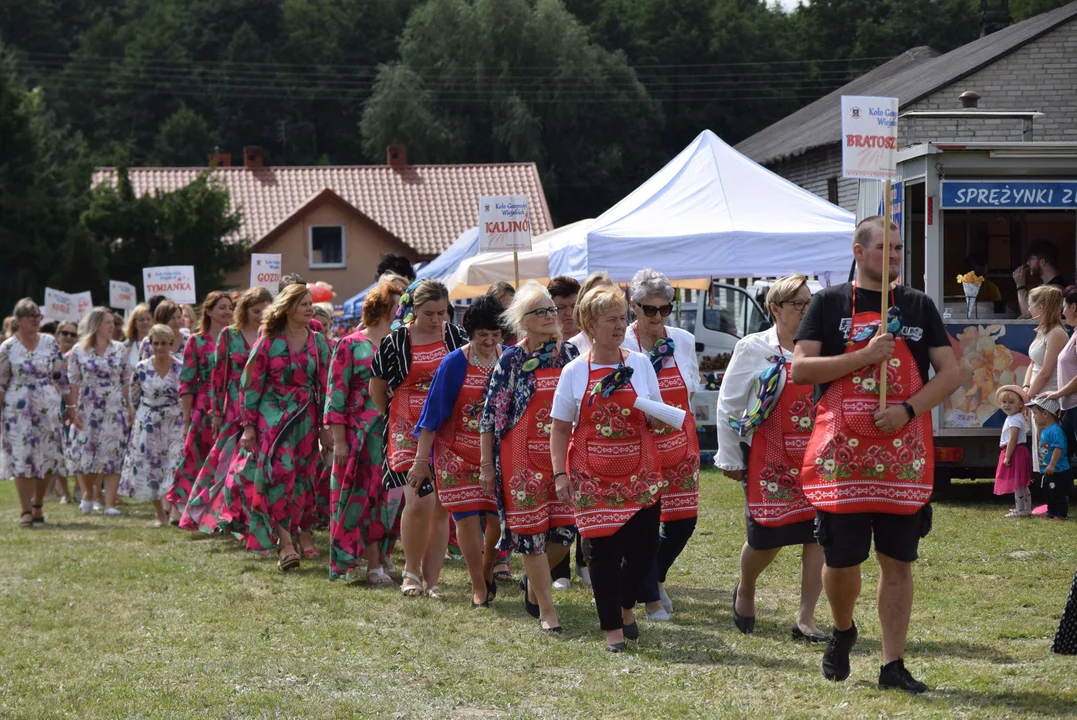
(476, 273)
(712, 212)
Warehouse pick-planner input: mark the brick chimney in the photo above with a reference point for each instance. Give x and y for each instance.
(220, 159)
(252, 157)
(396, 155)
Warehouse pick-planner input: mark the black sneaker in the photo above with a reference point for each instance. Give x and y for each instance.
(894, 676)
(835, 665)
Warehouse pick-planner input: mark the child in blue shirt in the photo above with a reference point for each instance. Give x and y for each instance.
(1054, 458)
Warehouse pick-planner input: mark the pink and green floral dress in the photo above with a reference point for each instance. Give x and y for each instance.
(283, 392)
(195, 379)
(209, 498)
(355, 489)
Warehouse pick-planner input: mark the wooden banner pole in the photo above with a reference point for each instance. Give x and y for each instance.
(516, 267)
(885, 310)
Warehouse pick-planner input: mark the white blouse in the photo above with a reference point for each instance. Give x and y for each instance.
(748, 361)
(684, 352)
(581, 342)
(572, 386)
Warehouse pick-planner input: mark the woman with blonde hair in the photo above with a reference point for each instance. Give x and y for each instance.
(167, 313)
(97, 368)
(283, 390)
(515, 440)
(33, 379)
(138, 324)
(210, 501)
(196, 390)
(156, 447)
(597, 279)
(404, 367)
(1041, 376)
(362, 511)
(605, 462)
(764, 451)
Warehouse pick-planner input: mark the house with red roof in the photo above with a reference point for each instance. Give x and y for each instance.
(334, 223)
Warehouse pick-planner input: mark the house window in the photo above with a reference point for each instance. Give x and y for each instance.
(326, 246)
(832, 190)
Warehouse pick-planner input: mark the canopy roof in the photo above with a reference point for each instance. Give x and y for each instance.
(712, 212)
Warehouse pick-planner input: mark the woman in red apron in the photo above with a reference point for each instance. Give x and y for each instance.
(403, 370)
(515, 440)
(610, 473)
(450, 424)
(764, 425)
(673, 356)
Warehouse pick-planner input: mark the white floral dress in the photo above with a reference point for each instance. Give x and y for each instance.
(156, 448)
(31, 435)
(99, 447)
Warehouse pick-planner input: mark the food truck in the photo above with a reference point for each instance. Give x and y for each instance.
(959, 203)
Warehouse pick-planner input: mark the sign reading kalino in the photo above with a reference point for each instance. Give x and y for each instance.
(504, 224)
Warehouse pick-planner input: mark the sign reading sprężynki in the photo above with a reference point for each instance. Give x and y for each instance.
(869, 137)
(504, 224)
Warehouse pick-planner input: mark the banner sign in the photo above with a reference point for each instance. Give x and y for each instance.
(60, 306)
(897, 201)
(869, 137)
(121, 295)
(1009, 195)
(265, 271)
(175, 282)
(83, 302)
(504, 224)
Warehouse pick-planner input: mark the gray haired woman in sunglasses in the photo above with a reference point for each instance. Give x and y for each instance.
(672, 352)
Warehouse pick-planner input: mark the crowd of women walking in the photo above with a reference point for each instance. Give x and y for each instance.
(518, 433)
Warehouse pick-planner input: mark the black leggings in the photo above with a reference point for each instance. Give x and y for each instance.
(620, 562)
(671, 541)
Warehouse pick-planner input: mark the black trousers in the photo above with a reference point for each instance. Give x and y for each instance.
(619, 563)
(671, 541)
(1058, 487)
(563, 569)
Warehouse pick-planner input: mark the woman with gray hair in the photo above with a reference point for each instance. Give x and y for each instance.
(33, 377)
(97, 367)
(515, 445)
(672, 352)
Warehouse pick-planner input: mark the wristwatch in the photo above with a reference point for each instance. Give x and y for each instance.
(909, 409)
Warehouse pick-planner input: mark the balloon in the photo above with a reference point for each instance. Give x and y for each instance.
(322, 292)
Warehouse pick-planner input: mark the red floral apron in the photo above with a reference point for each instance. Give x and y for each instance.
(612, 460)
(531, 504)
(457, 453)
(775, 496)
(850, 465)
(678, 450)
(407, 405)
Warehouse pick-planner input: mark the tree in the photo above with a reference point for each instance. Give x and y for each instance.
(188, 226)
(528, 85)
(184, 139)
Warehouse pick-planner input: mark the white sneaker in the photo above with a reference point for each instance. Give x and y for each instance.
(113, 512)
(65, 500)
(86, 507)
(562, 584)
(585, 574)
(667, 604)
(97, 507)
(659, 615)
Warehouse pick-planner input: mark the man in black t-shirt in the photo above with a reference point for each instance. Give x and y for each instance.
(1042, 263)
(849, 465)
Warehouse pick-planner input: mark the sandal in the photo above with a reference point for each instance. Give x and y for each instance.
(40, 520)
(311, 552)
(23, 522)
(491, 591)
(413, 585)
(434, 593)
(503, 576)
(287, 562)
(379, 578)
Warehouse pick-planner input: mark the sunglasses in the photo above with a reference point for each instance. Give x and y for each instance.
(68, 334)
(798, 305)
(543, 312)
(651, 310)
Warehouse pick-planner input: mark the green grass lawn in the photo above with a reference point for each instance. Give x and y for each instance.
(109, 618)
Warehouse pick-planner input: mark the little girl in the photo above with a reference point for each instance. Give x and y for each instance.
(1014, 471)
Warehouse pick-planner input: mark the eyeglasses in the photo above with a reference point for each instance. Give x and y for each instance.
(35, 316)
(650, 310)
(68, 334)
(543, 312)
(798, 305)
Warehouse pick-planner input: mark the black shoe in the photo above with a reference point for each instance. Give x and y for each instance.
(631, 631)
(616, 647)
(745, 624)
(38, 520)
(556, 629)
(531, 608)
(835, 665)
(475, 605)
(491, 592)
(799, 634)
(894, 676)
